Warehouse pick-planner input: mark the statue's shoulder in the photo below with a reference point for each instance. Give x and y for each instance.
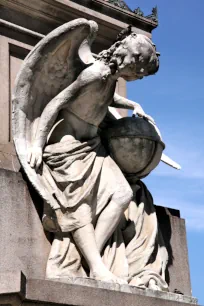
(93, 73)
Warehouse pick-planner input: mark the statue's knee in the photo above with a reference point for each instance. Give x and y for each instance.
(124, 197)
(63, 220)
(128, 196)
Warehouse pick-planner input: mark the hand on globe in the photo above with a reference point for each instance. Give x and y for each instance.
(139, 111)
(149, 118)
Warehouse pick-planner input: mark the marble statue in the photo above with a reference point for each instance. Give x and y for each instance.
(81, 158)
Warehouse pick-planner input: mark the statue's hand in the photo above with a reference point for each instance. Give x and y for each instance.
(139, 111)
(35, 157)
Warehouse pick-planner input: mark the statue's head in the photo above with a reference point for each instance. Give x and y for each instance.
(132, 56)
(136, 57)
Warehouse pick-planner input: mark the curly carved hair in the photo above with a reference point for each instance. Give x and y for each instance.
(107, 54)
(113, 58)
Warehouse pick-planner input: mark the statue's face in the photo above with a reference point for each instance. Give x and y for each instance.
(141, 58)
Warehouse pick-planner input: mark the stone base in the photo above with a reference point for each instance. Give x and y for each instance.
(23, 242)
(24, 246)
(16, 290)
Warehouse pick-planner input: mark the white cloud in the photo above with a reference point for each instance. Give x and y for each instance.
(186, 150)
(183, 191)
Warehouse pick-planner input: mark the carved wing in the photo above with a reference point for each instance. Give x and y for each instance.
(54, 63)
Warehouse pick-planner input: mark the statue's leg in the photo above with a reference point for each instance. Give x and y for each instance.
(112, 214)
(84, 237)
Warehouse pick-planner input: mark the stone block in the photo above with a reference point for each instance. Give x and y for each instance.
(86, 292)
(12, 282)
(174, 233)
(23, 243)
(12, 288)
(8, 158)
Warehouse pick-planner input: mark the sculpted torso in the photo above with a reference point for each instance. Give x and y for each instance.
(81, 117)
(82, 106)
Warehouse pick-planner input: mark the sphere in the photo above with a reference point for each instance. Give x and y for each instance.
(135, 145)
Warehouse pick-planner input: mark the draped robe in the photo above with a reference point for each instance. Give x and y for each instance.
(84, 179)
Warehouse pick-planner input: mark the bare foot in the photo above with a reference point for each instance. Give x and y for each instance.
(153, 285)
(106, 276)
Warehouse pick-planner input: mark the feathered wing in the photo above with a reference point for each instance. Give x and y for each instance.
(53, 64)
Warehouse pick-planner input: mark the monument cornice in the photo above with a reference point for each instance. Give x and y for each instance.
(46, 15)
(60, 11)
(120, 13)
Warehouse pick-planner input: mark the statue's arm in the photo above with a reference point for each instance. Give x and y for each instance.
(121, 102)
(47, 121)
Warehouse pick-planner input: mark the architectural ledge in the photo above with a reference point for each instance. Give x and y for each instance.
(121, 12)
(16, 290)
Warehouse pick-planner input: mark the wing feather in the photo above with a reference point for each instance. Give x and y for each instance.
(53, 64)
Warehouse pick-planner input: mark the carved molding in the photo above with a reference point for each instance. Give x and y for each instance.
(138, 12)
(20, 29)
(154, 15)
(119, 3)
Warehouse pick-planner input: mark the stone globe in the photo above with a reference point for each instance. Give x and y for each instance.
(135, 145)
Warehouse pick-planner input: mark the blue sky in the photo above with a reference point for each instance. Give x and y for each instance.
(175, 99)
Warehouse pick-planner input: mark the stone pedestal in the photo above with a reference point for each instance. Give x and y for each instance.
(16, 290)
(173, 229)
(23, 243)
(24, 246)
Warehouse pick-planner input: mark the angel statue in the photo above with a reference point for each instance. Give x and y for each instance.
(103, 218)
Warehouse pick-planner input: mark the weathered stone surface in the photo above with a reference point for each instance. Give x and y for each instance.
(174, 233)
(12, 282)
(135, 145)
(8, 158)
(23, 244)
(101, 294)
(82, 292)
